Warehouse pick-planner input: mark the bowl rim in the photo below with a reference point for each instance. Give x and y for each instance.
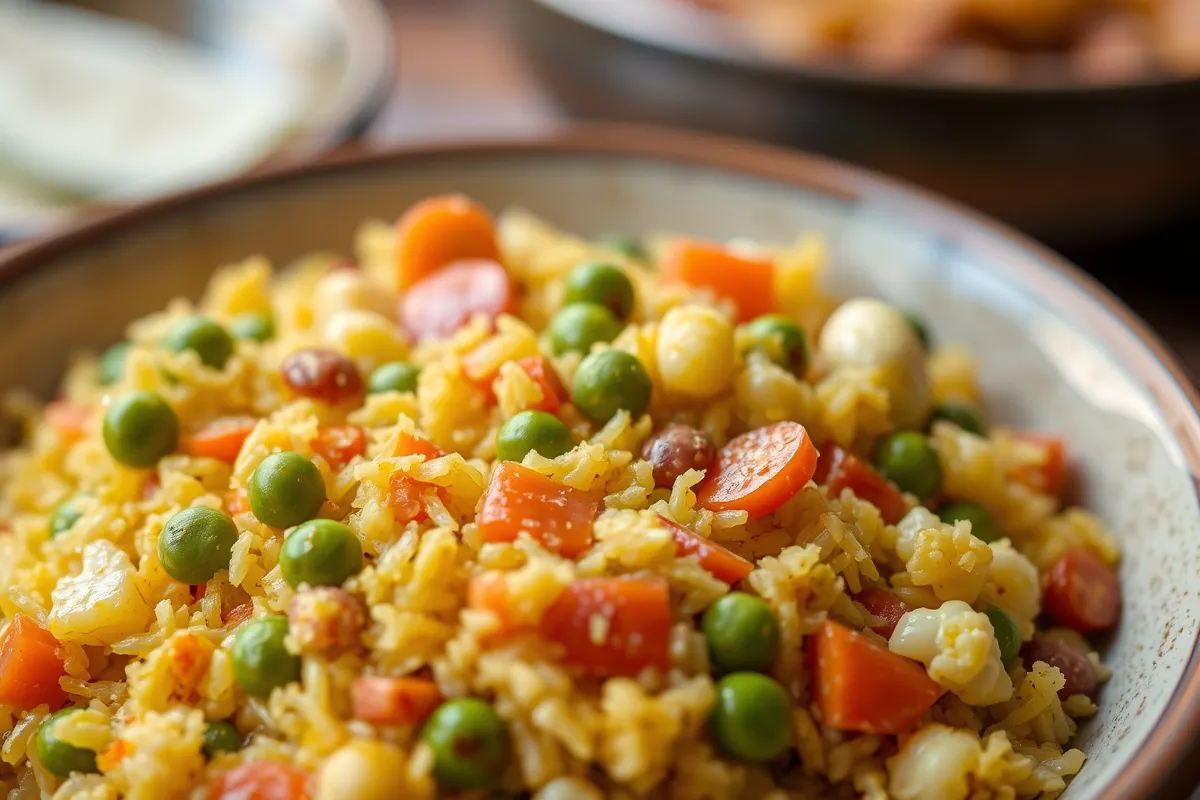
(1162, 767)
(738, 54)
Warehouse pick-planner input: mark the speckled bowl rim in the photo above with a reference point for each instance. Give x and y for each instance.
(1162, 768)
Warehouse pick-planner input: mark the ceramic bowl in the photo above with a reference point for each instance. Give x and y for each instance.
(1058, 353)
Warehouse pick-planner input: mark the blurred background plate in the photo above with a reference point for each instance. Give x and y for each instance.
(1076, 164)
(107, 102)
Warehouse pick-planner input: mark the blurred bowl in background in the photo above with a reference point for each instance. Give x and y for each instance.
(1072, 163)
(108, 102)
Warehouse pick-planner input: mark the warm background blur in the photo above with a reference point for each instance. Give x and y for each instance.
(1076, 120)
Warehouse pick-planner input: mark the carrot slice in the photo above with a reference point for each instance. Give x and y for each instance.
(261, 780)
(446, 300)
(340, 444)
(885, 606)
(117, 752)
(1049, 476)
(554, 394)
(759, 471)
(408, 444)
(221, 439)
(382, 700)
(30, 666)
(747, 282)
(439, 230)
(719, 562)
(404, 498)
(612, 626)
(839, 469)
(519, 499)
(1082, 592)
(69, 419)
(862, 686)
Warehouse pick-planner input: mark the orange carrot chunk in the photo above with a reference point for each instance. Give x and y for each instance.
(440, 230)
(408, 444)
(221, 439)
(340, 444)
(1082, 592)
(862, 686)
(747, 282)
(519, 499)
(69, 419)
(487, 592)
(554, 394)
(611, 626)
(885, 606)
(1049, 476)
(30, 666)
(759, 471)
(840, 470)
(719, 562)
(382, 700)
(261, 780)
(446, 300)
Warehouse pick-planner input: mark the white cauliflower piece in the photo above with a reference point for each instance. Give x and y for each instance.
(934, 764)
(958, 647)
(1013, 585)
(104, 603)
(944, 557)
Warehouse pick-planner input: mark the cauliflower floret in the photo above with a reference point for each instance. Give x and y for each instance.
(1012, 584)
(958, 647)
(103, 603)
(944, 557)
(934, 764)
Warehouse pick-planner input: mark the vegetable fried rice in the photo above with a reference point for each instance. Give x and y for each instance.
(492, 510)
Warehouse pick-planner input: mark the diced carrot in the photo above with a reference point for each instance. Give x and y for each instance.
(719, 562)
(487, 592)
(612, 626)
(69, 419)
(1049, 476)
(759, 471)
(404, 497)
(261, 780)
(189, 659)
(382, 700)
(839, 469)
(519, 499)
(221, 439)
(408, 444)
(340, 444)
(747, 282)
(1082, 592)
(115, 754)
(862, 686)
(30, 666)
(554, 394)
(439, 230)
(446, 300)
(884, 606)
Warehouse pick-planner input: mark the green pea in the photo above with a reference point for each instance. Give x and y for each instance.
(602, 284)
(608, 381)
(395, 376)
(742, 633)
(261, 661)
(908, 460)
(1007, 635)
(469, 743)
(139, 429)
(252, 325)
(285, 490)
(110, 366)
(628, 246)
(64, 517)
(964, 415)
(579, 326)
(202, 336)
(220, 736)
(196, 544)
(56, 755)
(780, 340)
(983, 524)
(320, 552)
(919, 328)
(532, 430)
(751, 720)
